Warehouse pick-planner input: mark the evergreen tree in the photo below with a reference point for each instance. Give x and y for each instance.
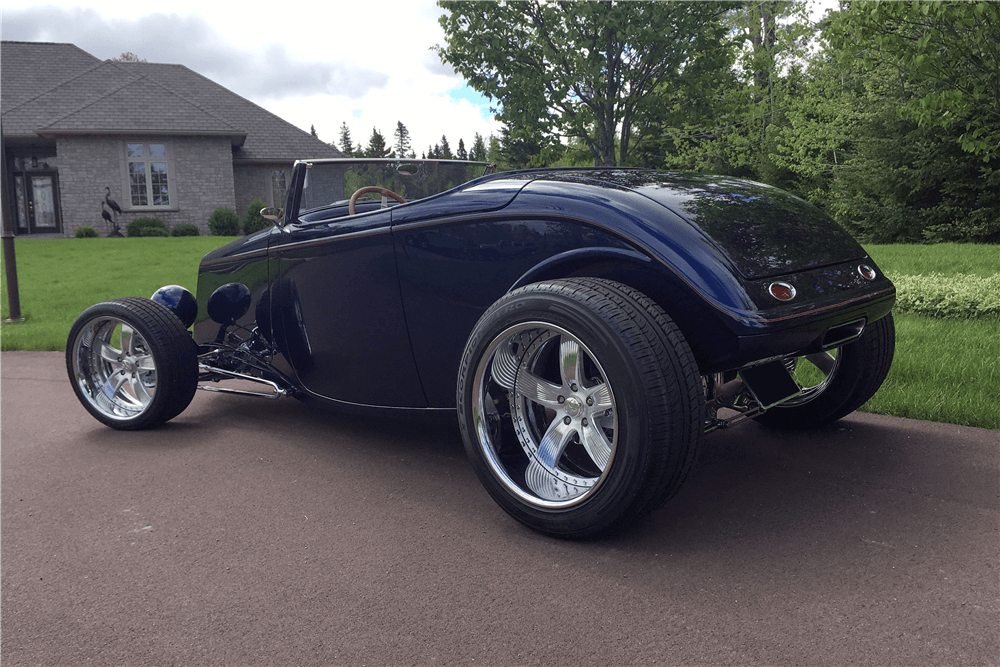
(377, 146)
(345, 140)
(478, 151)
(461, 153)
(401, 141)
(444, 150)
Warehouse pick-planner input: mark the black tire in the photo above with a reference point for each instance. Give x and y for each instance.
(140, 382)
(580, 404)
(842, 379)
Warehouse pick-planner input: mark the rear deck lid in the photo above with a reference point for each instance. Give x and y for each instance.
(764, 231)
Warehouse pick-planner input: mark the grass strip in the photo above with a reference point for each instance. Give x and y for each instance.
(59, 278)
(943, 371)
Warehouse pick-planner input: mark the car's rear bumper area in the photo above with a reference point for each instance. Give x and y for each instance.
(824, 327)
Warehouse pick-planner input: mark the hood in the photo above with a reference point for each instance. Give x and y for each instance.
(764, 231)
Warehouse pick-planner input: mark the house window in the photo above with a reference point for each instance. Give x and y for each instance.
(148, 174)
(279, 188)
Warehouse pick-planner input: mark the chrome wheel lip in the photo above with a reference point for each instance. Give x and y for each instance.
(120, 384)
(810, 393)
(575, 406)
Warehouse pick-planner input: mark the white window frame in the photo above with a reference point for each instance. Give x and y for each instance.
(147, 159)
(271, 183)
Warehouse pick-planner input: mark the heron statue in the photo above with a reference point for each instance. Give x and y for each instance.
(112, 222)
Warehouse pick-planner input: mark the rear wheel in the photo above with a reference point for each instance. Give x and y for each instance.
(837, 382)
(132, 363)
(580, 405)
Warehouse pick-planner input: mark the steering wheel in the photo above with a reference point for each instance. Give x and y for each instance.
(372, 188)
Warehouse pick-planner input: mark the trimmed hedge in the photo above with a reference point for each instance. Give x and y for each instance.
(146, 227)
(85, 232)
(185, 229)
(224, 222)
(959, 296)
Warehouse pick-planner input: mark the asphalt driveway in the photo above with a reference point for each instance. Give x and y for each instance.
(253, 532)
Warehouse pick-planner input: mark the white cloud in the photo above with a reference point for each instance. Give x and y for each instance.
(312, 63)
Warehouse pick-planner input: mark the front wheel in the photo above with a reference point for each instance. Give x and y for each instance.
(132, 363)
(836, 382)
(580, 405)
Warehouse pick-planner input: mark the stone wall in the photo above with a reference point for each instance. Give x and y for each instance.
(200, 180)
(253, 181)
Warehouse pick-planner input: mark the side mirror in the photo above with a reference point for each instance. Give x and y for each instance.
(273, 214)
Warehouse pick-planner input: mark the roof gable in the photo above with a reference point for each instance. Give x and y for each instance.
(140, 106)
(90, 96)
(269, 137)
(30, 68)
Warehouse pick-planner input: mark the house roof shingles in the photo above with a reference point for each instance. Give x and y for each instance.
(90, 96)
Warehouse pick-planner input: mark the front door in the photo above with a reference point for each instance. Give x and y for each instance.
(336, 305)
(37, 195)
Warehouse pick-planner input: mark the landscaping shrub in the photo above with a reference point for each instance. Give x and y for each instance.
(185, 229)
(959, 296)
(85, 232)
(254, 221)
(224, 222)
(146, 227)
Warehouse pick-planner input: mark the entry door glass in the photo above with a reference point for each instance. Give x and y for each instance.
(44, 200)
(22, 204)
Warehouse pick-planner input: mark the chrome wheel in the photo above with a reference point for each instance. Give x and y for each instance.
(132, 363)
(114, 368)
(837, 382)
(813, 373)
(545, 414)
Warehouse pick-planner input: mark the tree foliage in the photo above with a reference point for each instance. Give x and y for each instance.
(129, 57)
(401, 141)
(346, 145)
(585, 70)
(948, 56)
(376, 146)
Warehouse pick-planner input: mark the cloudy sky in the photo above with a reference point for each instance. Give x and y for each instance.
(365, 62)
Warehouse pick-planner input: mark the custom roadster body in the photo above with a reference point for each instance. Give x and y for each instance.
(588, 326)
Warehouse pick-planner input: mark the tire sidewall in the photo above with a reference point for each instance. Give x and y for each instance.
(602, 506)
(163, 405)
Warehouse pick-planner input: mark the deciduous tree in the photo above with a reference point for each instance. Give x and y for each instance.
(580, 69)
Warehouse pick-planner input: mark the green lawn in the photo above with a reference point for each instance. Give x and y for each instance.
(59, 278)
(945, 369)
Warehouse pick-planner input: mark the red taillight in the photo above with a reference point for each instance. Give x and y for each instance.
(782, 291)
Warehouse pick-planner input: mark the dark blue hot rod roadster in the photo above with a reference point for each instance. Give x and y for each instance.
(587, 325)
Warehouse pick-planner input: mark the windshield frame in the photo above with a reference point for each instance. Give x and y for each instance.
(301, 168)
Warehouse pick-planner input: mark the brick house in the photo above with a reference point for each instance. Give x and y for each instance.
(165, 140)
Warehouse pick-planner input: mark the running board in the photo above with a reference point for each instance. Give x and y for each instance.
(276, 391)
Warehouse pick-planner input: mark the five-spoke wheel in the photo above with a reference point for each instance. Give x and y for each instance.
(561, 407)
(131, 362)
(580, 404)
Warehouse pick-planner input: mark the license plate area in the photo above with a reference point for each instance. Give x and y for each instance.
(770, 383)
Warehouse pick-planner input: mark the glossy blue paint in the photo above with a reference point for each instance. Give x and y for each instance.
(375, 309)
